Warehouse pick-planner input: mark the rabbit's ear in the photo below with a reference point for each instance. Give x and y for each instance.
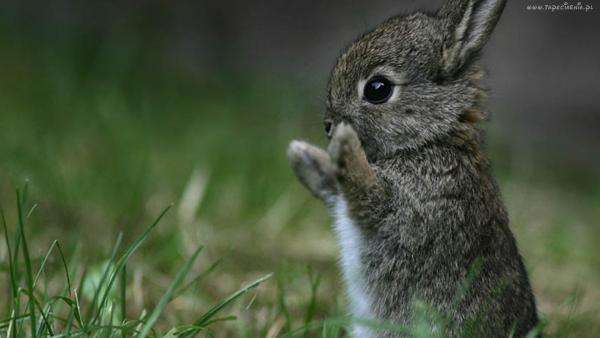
(468, 25)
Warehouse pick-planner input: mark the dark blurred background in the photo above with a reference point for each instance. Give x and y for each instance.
(543, 65)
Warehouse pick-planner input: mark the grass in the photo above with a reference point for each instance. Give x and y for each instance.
(56, 315)
(107, 134)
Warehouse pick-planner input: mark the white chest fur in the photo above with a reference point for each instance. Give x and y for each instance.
(351, 244)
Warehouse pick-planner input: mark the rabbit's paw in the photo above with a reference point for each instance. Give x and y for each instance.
(352, 168)
(313, 168)
(345, 149)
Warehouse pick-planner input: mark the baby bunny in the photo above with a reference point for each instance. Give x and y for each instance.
(418, 215)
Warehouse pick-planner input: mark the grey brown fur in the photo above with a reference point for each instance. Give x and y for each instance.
(415, 178)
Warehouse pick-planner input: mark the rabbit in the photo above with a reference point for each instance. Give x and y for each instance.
(417, 213)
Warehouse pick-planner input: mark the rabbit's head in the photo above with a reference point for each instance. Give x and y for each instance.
(412, 80)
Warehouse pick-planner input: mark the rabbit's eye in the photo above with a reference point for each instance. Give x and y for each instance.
(378, 90)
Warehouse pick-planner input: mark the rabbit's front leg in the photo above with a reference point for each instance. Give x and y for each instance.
(356, 177)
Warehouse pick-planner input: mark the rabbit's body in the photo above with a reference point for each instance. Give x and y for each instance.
(434, 233)
(417, 212)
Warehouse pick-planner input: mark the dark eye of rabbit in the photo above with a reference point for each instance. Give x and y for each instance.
(378, 90)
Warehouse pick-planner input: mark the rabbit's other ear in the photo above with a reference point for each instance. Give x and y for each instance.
(468, 25)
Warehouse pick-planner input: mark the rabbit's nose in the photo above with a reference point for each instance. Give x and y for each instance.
(328, 127)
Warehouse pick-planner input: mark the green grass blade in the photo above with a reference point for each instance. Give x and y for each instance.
(78, 316)
(105, 274)
(6, 322)
(47, 320)
(27, 259)
(31, 210)
(302, 330)
(43, 264)
(315, 281)
(123, 260)
(82, 279)
(222, 304)
(198, 278)
(220, 319)
(69, 323)
(282, 304)
(166, 298)
(191, 329)
(123, 296)
(331, 330)
(37, 305)
(11, 271)
(64, 262)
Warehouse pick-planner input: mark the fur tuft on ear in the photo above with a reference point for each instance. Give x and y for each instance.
(468, 25)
